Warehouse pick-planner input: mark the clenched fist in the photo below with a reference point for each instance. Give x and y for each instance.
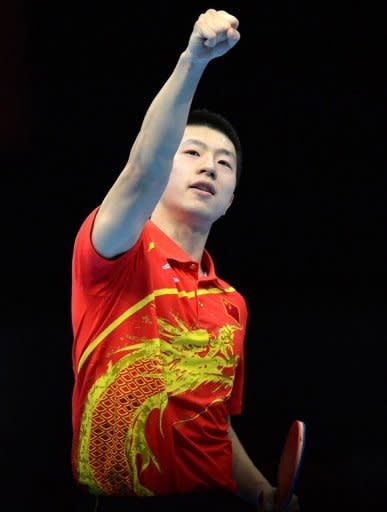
(213, 35)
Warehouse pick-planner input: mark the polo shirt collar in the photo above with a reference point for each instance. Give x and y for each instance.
(173, 252)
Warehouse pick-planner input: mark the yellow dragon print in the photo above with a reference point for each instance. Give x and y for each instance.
(112, 434)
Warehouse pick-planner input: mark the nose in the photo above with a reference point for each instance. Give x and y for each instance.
(207, 166)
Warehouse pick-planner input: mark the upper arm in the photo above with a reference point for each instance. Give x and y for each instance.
(124, 211)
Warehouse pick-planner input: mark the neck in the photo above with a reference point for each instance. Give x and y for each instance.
(192, 239)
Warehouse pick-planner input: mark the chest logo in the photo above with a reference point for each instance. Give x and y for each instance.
(232, 310)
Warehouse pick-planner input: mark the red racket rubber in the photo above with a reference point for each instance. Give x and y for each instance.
(290, 463)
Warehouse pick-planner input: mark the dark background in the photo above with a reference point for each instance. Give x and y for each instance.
(303, 241)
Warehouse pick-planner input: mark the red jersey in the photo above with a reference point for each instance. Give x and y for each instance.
(158, 366)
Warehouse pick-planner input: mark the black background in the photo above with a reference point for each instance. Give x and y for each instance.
(303, 240)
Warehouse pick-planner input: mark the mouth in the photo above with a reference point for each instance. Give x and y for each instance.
(204, 186)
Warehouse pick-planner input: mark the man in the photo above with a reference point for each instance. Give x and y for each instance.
(158, 336)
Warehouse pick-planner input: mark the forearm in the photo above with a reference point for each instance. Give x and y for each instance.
(162, 129)
(246, 475)
(165, 120)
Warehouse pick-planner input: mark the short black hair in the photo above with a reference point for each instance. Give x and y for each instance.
(206, 117)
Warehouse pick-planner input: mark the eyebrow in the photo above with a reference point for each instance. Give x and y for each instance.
(203, 145)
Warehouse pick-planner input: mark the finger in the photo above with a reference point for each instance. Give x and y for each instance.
(222, 47)
(217, 26)
(213, 33)
(208, 29)
(233, 36)
(231, 20)
(229, 40)
(209, 35)
(294, 505)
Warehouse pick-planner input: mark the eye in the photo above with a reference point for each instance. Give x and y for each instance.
(192, 152)
(224, 162)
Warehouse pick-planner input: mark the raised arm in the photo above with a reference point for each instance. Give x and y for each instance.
(135, 193)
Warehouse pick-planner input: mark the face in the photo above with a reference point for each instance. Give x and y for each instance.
(203, 178)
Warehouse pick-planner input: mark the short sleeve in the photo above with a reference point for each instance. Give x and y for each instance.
(91, 271)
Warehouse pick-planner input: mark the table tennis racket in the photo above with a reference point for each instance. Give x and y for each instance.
(290, 463)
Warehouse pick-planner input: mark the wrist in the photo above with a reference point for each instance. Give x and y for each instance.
(192, 63)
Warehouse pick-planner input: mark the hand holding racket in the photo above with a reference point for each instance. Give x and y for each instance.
(282, 497)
